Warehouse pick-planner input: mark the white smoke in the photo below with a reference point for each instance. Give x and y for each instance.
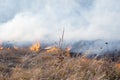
(45, 19)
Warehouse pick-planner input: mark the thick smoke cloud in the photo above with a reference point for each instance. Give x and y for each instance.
(25, 20)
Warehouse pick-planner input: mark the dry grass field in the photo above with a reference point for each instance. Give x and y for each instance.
(53, 64)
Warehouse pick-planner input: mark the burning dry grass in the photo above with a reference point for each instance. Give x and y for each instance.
(24, 64)
(35, 47)
(57, 51)
(1, 48)
(53, 50)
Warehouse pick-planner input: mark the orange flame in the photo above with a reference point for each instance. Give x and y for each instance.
(35, 47)
(117, 65)
(53, 49)
(67, 53)
(1, 48)
(56, 50)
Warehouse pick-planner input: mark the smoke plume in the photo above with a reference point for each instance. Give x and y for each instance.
(25, 20)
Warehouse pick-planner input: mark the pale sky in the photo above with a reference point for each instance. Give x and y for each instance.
(22, 20)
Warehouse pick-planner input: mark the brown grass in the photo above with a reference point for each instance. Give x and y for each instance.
(24, 64)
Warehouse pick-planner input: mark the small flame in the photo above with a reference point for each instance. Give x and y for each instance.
(1, 48)
(68, 49)
(35, 47)
(53, 49)
(67, 53)
(118, 65)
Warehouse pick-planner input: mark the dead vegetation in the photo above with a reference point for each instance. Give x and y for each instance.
(24, 64)
(55, 63)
